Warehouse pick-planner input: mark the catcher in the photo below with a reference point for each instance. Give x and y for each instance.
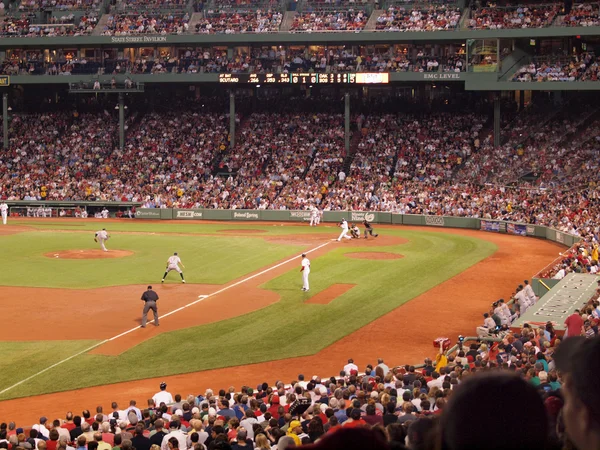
(354, 231)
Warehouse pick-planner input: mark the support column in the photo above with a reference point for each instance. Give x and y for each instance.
(497, 121)
(5, 119)
(121, 121)
(347, 122)
(231, 120)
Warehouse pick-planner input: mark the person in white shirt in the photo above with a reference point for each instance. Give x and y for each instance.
(173, 264)
(104, 213)
(344, 234)
(135, 409)
(305, 269)
(163, 396)
(102, 236)
(529, 293)
(4, 211)
(522, 299)
(175, 432)
(383, 366)
(41, 428)
(488, 325)
(350, 366)
(560, 274)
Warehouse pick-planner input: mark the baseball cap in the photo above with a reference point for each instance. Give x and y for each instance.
(579, 357)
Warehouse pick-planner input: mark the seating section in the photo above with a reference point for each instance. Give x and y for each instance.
(583, 15)
(529, 16)
(60, 5)
(329, 20)
(434, 18)
(227, 22)
(556, 68)
(146, 23)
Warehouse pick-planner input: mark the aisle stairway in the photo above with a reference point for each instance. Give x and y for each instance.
(372, 22)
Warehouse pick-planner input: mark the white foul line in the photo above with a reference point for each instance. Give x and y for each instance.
(200, 298)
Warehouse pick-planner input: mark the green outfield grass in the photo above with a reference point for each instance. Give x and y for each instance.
(286, 329)
(208, 259)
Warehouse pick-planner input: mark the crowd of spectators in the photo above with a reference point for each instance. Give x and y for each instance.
(583, 15)
(530, 16)
(60, 5)
(234, 22)
(150, 4)
(215, 60)
(68, 25)
(438, 164)
(329, 20)
(571, 68)
(146, 23)
(434, 18)
(524, 381)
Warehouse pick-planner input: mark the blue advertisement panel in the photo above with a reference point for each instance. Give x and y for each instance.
(487, 225)
(516, 228)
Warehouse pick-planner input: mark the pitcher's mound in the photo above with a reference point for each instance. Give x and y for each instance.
(88, 254)
(374, 255)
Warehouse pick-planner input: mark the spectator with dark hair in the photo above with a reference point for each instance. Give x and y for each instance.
(578, 359)
(506, 399)
(76, 430)
(139, 441)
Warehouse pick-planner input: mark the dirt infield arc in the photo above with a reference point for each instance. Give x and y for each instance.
(451, 308)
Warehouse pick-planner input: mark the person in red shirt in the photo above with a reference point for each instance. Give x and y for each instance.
(69, 425)
(274, 408)
(574, 324)
(52, 443)
(356, 421)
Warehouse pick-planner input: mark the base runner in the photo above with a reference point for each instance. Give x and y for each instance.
(173, 264)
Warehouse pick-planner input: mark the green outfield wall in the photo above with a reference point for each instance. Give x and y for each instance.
(497, 226)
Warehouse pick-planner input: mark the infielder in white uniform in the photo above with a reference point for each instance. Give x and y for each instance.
(4, 211)
(305, 269)
(102, 236)
(173, 264)
(314, 216)
(344, 233)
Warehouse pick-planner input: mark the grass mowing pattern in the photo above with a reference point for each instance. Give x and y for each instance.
(23, 359)
(290, 327)
(208, 259)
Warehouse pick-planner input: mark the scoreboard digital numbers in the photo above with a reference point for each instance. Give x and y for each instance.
(305, 78)
(4, 80)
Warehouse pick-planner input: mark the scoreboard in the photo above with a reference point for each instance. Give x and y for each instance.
(305, 78)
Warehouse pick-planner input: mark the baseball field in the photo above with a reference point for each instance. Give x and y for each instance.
(72, 312)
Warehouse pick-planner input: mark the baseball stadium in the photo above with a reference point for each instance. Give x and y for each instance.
(268, 224)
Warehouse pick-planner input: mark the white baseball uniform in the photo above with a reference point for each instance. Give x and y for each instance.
(4, 211)
(314, 215)
(530, 294)
(305, 272)
(102, 236)
(344, 233)
(173, 264)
